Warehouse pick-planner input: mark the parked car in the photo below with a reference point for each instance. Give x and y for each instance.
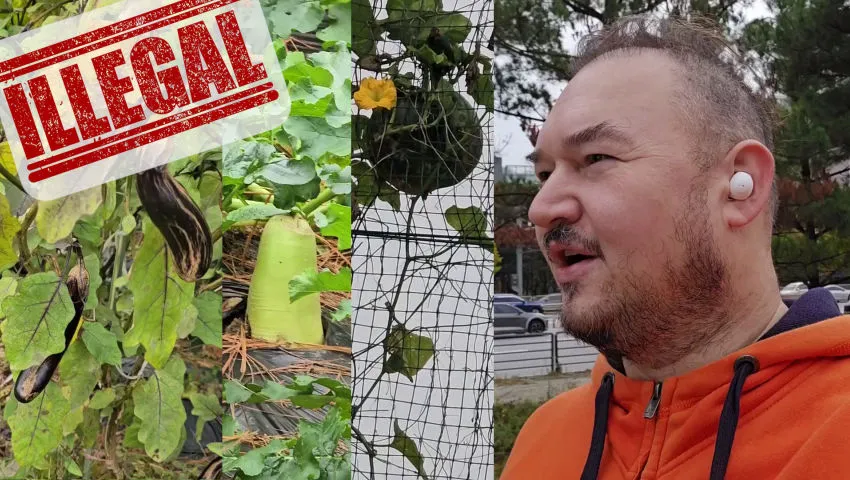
(519, 302)
(509, 318)
(793, 291)
(841, 294)
(551, 303)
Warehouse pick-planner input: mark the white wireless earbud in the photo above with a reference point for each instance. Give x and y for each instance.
(741, 186)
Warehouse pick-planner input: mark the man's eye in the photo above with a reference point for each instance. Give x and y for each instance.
(543, 176)
(597, 157)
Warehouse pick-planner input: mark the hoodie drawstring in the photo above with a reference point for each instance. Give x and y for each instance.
(744, 366)
(600, 428)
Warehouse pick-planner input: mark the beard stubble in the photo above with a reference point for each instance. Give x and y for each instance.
(655, 323)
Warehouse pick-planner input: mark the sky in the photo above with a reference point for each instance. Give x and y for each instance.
(512, 143)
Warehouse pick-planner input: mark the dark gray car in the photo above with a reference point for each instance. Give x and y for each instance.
(507, 318)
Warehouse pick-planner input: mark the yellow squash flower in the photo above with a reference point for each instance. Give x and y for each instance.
(374, 93)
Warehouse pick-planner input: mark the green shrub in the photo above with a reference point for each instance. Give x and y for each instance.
(508, 419)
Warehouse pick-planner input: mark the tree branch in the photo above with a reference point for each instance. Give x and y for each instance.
(519, 115)
(585, 10)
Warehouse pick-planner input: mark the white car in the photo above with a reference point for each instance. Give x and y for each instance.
(793, 291)
(841, 294)
(551, 303)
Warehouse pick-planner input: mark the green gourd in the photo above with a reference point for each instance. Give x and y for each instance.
(287, 249)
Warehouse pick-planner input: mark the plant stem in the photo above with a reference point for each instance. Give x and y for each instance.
(324, 197)
(117, 266)
(29, 217)
(212, 285)
(248, 223)
(11, 178)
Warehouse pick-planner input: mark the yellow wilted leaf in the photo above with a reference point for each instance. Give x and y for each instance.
(6, 158)
(374, 93)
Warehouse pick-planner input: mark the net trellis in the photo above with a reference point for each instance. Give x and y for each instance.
(417, 279)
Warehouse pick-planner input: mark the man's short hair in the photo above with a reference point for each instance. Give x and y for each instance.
(717, 105)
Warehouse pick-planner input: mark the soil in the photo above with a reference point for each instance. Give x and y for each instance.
(538, 389)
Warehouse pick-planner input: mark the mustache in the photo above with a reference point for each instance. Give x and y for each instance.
(563, 233)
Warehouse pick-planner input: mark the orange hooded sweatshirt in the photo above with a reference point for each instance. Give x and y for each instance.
(784, 416)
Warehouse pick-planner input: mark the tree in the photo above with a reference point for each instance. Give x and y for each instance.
(531, 37)
(805, 50)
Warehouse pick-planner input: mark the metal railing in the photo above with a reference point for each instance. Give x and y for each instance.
(525, 355)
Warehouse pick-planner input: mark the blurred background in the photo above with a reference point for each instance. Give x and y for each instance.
(799, 52)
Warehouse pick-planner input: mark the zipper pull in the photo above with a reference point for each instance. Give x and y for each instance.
(652, 408)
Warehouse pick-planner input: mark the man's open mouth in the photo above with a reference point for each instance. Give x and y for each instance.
(567, 255)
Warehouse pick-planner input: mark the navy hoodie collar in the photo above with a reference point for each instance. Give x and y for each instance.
(814, 306)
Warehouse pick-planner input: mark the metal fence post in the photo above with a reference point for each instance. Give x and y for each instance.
(556, 366)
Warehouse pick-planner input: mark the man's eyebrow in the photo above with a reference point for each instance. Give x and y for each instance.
(596, 132)
(589, 134)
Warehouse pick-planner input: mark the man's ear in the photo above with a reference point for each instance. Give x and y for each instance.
(754, 158)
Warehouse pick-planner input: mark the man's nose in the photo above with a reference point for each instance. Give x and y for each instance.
(556, 202)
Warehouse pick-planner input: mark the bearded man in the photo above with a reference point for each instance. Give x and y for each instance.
(655, 213)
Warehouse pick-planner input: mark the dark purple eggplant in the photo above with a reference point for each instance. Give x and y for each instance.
(180, 221)
(34, 380)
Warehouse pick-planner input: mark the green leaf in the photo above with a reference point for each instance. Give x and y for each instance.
(36, 316)
(187, 321)
(92, 262)
(128, 224)
(252, 212)
(311, 401)
(325, 435)
(309, 100)
(79, 372)
(160, 298)
(343, 312)
(157, 403)
(289, 15)
(338, 224)
(316, 282)
(55, 219)
(296, 69)
(470, 222)
(207, 408)
(209, 190)
(364, 32)
(482, 91)
(407, 352)
(407, 447)
(131, 435)
(252, 463)
(235, 392)
(9, 227)
(208, 327)
(337, 178)
(369, 188)
(37, 426)
(102, 344)
(242, 159)
(72, 467)
(339, 64)
(110, 200)
(289, 172)
(277, 392)
(8, 287)
(317, 137)
(102, 399)
(286, 196)
(339, 29)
